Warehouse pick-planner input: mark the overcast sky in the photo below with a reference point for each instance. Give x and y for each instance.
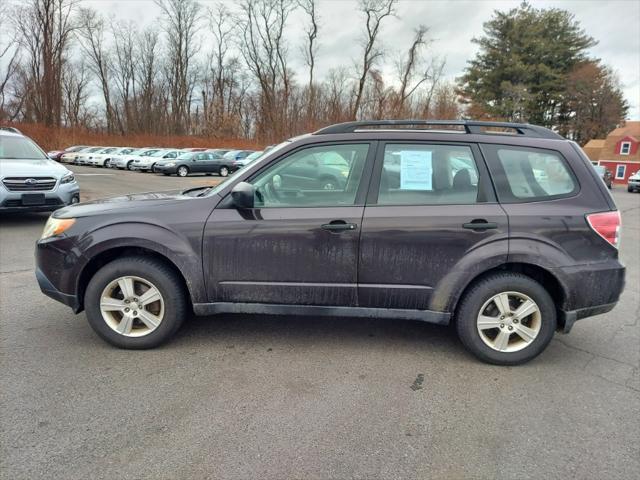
(453, 23)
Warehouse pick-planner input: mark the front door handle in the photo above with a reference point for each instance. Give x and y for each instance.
(480, 224)
(339, 226)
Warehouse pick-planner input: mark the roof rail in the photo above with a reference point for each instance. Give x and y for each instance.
(470, 127)
(10, 129)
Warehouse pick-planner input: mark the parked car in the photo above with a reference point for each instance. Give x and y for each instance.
(70, 157)
(57, 154)
(99, 158)
(147, 163)
(126, 161)
(507, 260)
(83, 157)
(248, 159)
(193, 162)
(235, 155)
(31, 181)
(103, 158)
(605, 174)
(633, 184)
(196, 149)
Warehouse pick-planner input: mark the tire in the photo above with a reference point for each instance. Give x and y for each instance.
(167, 174)
(129, 163)
(328, 183)
(163, 278)
(478, 299)
(107, 163)
(224, 172)
(152, 168)
(182, 171)
(629, 189)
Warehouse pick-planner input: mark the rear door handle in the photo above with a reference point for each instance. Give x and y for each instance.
(480, 224)
(339, 226)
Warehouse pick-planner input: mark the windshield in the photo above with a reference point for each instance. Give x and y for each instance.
(254, 155)
(231, 154)
(599, 169)
(186, 156)
(20, 148)
(148, 153)
(159, 153)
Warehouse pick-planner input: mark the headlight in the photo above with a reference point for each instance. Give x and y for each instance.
(68, 178)
(56, 226)
(170, 164)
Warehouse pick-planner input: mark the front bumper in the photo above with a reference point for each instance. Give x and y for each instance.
(51, 291)
(165, 169)
(60, 196)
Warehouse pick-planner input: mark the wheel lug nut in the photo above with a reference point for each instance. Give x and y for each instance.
(126, 309)
(510, 328)
(126, 301)
(502, 317)
(502, 325)
(135, 313)
(515, 320)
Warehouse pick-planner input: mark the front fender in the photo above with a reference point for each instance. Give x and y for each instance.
(184, 252)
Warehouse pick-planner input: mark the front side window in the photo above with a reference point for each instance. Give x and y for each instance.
(419, 174)
(625, 148)
(531, 174)
(305, 178)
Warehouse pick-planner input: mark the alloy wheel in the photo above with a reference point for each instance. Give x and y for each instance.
(132, 306)
(224, 171)
(509, 321)
(183, 171)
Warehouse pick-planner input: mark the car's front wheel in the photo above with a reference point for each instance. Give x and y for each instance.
(135, 302)
(224, 172)
(130, 165)
(183, 171)
(506, 319)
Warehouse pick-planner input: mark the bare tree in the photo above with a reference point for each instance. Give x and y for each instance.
(265, 53)
(375, 11)
(310, 49)
(149, 100)
(181, 22)
(45, 28)
(75, 94)
(92, 35)
(9, 57)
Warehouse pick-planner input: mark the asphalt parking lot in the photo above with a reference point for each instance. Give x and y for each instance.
(287, 397)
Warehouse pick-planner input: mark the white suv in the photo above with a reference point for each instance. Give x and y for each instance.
(31, 181)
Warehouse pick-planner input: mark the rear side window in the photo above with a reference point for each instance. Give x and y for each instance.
(529, 174)
(422, 174)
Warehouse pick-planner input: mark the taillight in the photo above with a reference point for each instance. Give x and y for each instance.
(607, 225)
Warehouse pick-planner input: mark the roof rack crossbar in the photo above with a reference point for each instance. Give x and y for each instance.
(475, 127)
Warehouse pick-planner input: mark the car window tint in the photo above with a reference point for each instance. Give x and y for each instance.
(420, 174)
(533, 174)
(302, 179)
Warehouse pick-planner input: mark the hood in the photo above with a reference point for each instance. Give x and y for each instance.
(125, 203)
(32, 168)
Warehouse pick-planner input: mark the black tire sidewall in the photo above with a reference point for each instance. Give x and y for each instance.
(482, 291)
(158, 274)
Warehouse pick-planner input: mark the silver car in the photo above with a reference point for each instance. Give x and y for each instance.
(31, 181)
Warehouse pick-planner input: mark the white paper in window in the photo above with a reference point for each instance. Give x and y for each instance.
(416, 170)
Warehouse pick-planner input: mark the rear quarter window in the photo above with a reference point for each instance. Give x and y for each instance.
(523, 174)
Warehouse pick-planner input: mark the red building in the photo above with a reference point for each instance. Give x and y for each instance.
(620, 152)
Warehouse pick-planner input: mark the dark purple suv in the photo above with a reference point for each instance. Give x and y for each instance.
(504, 230)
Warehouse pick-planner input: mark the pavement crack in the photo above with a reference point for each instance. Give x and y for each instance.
(21, 270)
(593, 354)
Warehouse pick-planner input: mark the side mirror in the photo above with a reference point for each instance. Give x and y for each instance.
(243, 195)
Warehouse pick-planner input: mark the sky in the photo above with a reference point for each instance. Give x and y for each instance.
(615, 24)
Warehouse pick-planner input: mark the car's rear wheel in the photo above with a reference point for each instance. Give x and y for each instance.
(506, 319)
(130, 165)
(224, 172)
(135, 302)
(328, 183)
(107, 163)
(183, 171)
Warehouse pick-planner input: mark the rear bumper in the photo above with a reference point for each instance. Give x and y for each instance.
(591, 290)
